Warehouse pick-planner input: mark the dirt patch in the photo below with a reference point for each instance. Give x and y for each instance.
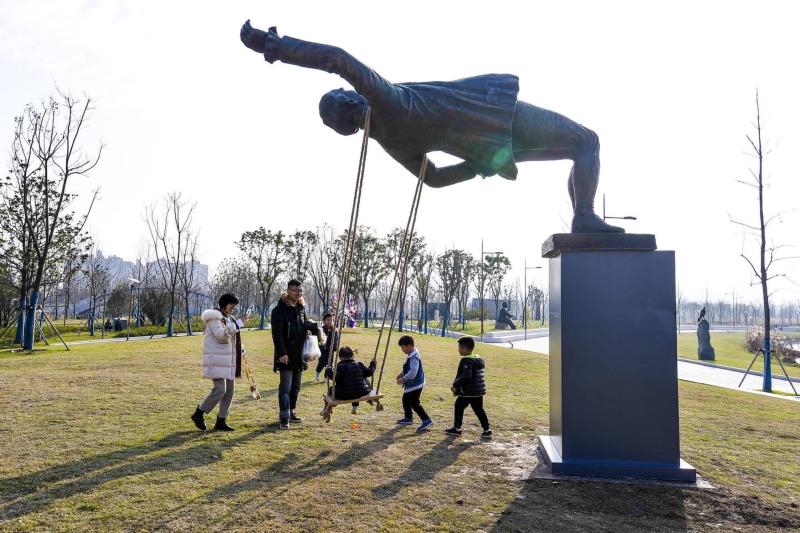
(517, 457)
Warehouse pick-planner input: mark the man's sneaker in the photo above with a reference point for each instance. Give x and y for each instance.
(405, 421)
(487, 435)
(316, 377)
(453, 431)
(426, 424)
(284, 423)
(294, 418)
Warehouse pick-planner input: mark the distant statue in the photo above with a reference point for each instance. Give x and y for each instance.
(477, 119)
(504, 318)
(705, 352)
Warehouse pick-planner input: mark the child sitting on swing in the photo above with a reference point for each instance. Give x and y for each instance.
(351, 382)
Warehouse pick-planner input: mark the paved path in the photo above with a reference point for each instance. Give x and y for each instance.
(696, 372)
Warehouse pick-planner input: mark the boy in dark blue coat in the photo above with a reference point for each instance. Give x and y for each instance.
(469, 387)
(351, 382)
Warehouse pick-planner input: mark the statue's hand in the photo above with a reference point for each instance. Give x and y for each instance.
(253, 38)
(260, 41)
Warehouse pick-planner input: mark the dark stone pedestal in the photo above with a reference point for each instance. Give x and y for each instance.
(613, 366)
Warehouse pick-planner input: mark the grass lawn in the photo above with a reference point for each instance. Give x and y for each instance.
(730, 351)
(99, 439)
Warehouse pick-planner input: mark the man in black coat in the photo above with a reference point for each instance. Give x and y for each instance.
(505, 317)
(289, 326)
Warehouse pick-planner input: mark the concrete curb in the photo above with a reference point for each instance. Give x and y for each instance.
(734, 369)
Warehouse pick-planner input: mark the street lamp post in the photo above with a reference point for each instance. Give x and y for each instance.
(133, 284)
(527, 292)
(483, 282)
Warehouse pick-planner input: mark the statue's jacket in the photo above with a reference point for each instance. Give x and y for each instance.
(469, 118)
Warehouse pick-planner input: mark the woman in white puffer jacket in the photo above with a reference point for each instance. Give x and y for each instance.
(219, 361)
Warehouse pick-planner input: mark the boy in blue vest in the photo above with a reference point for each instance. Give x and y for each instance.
(469, 387)
(412, 379)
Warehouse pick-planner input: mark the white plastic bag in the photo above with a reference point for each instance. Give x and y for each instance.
(311, 349)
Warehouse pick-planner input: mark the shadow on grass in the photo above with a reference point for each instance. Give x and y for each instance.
(292, 469)
(32, 492)
(586, 505)
(424, 468)
(582, 505)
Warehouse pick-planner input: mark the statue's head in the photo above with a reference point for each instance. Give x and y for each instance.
(343, 111)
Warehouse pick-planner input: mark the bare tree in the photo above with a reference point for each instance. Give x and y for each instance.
(96, 280)
(70, 270)
(142, 271)
(370, 265)
(236, 276)
(36, 206)
(270, 253)
(450, 268)
(8, 293)
(322, 269)
(767, 250)
(186, 276)
(301, 247)
(496, 267)
(170, 231)
(468, 268)
(416, 246)
(422, 267)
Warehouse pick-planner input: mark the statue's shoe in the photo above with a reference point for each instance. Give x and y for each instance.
(593, 224)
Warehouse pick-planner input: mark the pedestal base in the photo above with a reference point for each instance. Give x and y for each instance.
(681, 472)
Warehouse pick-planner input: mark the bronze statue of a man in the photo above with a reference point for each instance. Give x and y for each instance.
(477, 119)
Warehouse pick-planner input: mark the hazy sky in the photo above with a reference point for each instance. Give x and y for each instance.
(668, 86)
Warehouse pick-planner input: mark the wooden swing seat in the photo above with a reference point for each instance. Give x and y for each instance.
(371, 397)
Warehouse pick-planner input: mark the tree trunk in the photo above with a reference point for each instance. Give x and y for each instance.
(170, 331)
(91, 318)
(188, 317)
(21, 319)
(30, 318)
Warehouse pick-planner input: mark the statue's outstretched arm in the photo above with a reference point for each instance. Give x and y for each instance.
(364, 80)
(438, 177)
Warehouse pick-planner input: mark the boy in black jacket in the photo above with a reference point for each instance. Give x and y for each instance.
(351, 382)
(469, 387)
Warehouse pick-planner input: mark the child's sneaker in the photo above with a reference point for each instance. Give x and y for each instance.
(487, 435)
(354, 410)
(453, 431)
(425, 425)
(405, 421)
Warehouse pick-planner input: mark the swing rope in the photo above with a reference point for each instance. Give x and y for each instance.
(401, 267)
(394, 297)
(344, 276)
